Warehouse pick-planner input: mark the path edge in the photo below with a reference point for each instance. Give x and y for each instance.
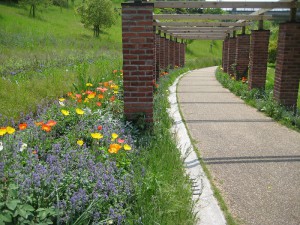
(206, 207)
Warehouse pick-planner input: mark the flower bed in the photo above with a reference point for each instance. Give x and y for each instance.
(70, 164)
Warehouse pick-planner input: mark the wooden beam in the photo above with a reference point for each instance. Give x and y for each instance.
(201, 37)
(210, 17)
(201, 24)
(197, 28)
(240, 4)
(197, 32)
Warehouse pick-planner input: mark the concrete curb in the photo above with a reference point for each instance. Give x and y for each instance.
(206, 206)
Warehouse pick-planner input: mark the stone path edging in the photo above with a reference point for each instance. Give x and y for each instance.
(206, 206)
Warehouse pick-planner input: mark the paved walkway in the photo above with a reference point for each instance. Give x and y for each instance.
(254, 161)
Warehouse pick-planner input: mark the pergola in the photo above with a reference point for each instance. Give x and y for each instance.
(154, 43)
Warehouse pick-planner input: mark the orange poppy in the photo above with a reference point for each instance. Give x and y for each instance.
(115, 71)
(39, 123)
(98, 104)
(112, 98)
(51, 123)
(99, 127)
(100, 96)
(106, 84)
(22, 126)
(46, 128)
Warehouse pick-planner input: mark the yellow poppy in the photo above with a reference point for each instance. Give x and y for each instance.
(10, 130)
(65, 112)
(96, 135)
(89, 85)
(79, 111)
(114, 136)
(127, 147)
(80, 142)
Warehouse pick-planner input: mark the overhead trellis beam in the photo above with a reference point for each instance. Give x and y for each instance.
(240, 4)
(200, 37)
(167, 28)
(210, 17)
(201, 24)
(197, 29)
(196, 32)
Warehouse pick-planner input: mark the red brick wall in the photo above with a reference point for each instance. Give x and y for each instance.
(225, 55)
(138, 59)
(288, 64)
(242, 56)
(181, 57)
(162, 55)
(177, 54)
(258, 58)
(172, 54)
(231, 55)
(167, 53)
(157, 55)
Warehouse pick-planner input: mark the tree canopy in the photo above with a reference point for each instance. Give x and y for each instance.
(97, 14)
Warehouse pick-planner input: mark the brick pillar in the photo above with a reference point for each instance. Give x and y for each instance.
(167, 52)
(182, 54)
(157, 55)
(162, 56)
(231, 55)
(258, 58)
(177, 54)
(138, 60)
(225, 55)
(242, 56)
(172, 54)
(287, 74)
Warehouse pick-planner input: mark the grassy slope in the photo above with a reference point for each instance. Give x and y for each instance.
(56, 39)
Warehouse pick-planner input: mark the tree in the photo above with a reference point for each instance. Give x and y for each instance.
(34, 4)
(98, 14)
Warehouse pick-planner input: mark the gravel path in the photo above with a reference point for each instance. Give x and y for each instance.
(254, 161)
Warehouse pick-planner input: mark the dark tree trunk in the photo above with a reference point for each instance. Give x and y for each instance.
(32, 10)
(96, 30)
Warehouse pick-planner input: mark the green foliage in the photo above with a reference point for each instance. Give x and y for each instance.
(34, 4)
(213, 11)
(97, 13)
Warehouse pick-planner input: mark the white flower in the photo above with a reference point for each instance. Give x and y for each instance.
(61, 103)
(1, 146)
(23, 147)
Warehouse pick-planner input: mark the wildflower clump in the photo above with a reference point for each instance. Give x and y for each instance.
(69, 163)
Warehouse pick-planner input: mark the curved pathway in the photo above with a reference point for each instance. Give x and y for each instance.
(254, 161)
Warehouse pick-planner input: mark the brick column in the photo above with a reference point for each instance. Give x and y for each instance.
(177, 54)
(231, 55)
(182, 54)
(138, 60)
(258, 58)
(225, 55)
(172, 54)
(162, 55)
(287, 74)
(157, 55)
(167, 53)
(242, 56)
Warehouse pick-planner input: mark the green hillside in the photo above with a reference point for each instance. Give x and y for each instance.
(40, 57)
